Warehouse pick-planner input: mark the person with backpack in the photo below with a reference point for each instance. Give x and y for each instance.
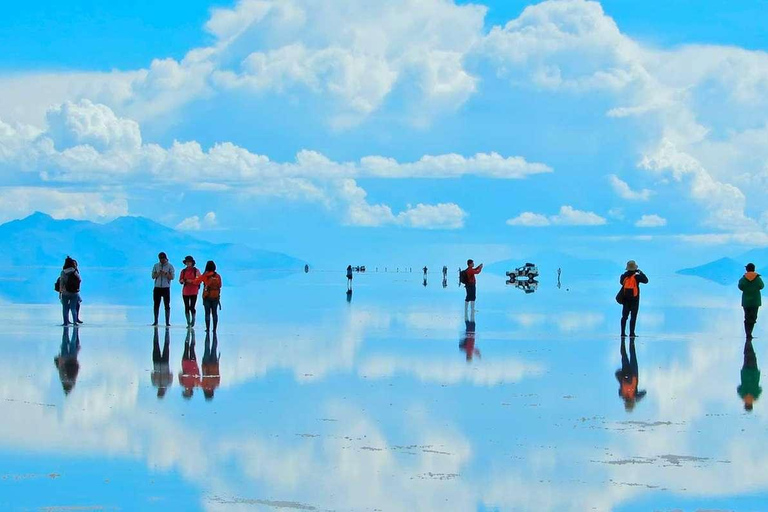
(750, 285)
(68, 286)
(162, 274)
(467, 278)
(189, 291)
(211, 294)
(630, 296)
(628, 376)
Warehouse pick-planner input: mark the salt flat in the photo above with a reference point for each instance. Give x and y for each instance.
(382, 403)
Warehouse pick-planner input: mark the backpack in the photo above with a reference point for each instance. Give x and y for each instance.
(629, 287)
(212, 290)
(72, 284)
(56, 286)
(463, 277)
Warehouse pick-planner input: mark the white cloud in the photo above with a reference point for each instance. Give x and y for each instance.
(651, 221)
(623, 190)
(567, 216)
(439, 216)
(194, 223)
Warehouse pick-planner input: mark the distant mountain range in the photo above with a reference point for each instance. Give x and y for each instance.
(33, 251)
(729, 270)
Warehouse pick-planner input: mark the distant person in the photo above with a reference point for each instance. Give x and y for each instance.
(749, 390)
(66, 362)
(211, 294)
(189, 376)
(162, 274)
(558, 277)
(425, 270)
(68, 286)
(467, 344)
(445, 273)
(190, 287)
(306, 269)
(629, 376)
(161, 377)
(630, 294)
(349, 277)
(467, 277)
(750, 285)
(211, 378)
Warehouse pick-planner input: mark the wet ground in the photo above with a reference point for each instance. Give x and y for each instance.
(388, 402)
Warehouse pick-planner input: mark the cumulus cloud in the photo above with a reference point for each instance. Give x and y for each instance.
(567, 216)
(651, 221)
(623, 190)
(195, 223)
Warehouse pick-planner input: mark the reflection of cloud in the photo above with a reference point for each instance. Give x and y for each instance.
(444, 371)
(566, 322)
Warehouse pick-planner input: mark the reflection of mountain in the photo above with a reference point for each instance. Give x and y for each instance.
(723, 271)
(34, 249)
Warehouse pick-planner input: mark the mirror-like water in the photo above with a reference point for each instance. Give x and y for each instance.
(388, 400)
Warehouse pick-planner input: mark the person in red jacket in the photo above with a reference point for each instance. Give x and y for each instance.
(471, 285)
(189, 376)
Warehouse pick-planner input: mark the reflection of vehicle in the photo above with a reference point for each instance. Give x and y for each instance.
(527, 271)
(527, 285)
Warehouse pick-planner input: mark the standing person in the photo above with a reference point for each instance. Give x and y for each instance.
(749, 390)
(750, 285)
(211, 294)
(470, 282)
(189, 376)
(445, 273)
(425, 271)
(69, 291)
(630, 291)
(211, 377)
(161, 377)
(349, 277)
(162, 274)
(187, 278)
(79, 297)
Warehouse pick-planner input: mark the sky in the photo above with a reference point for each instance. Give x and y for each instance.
(370, 130)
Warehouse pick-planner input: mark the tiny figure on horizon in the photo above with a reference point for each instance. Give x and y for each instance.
(189, 376)
(425, 271)
(211, 295)
(749, 390)
(629, 295)
(750, 285)
(162, 274)
(349, 277)
(211, 356)
(190, 288)
(66, 361)
(306, 269)
(161, 376)
(445, 273)
(468, 279)
(467, 343)
(558, 277)
(628, 376)
(68, 286)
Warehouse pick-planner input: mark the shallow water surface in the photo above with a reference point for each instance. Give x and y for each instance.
(387, 401)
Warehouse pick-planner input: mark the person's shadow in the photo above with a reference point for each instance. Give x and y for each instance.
(628, 376)
(749, 390)
(162, 378)
(211, 377)
(66, 361)
(467, 343)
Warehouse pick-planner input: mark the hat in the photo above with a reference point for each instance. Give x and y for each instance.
(189, 258)
(750, 267)
(631, 265)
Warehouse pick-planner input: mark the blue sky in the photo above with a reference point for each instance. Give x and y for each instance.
(590, 127)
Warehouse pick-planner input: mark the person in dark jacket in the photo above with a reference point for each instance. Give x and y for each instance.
(750, 285)
(69, 291)
(630, 288)
(749, 390)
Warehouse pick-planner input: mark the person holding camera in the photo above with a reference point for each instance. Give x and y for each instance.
(630, 288)
(162, 274)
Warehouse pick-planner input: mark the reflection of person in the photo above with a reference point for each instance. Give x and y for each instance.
(750, 285)
(630, 288)
(66, 362)
(750, 389)
(558, 277)
(211, 294)
(467, 343)
(349, 277)
(471, 285)
(628, 376)
(424, 282)
(189, 376)
(349, 296)
(189, 289)
(161, 377)
(445, 282)
(211, 377)
(162, 274)
(69, 291)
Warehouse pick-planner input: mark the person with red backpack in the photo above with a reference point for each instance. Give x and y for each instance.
(467, 278)
(211, 294)
(187, 278)
(630, 296)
